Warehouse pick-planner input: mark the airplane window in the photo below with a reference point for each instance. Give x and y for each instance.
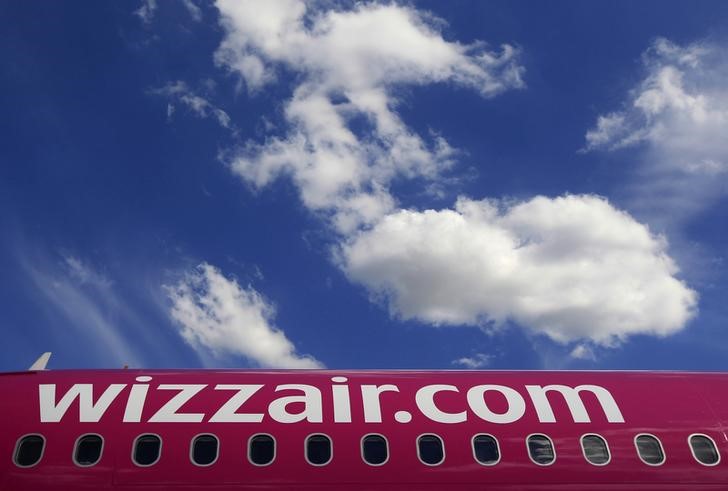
(485, 449)
(374, 449)
(147, 450)
(88, 450)
(318, 449)
(541, 449)
(29, 450)
(704, 449)
(649, 449)
(261, 449)
(204, 450)
(430, 449)
(595, 449)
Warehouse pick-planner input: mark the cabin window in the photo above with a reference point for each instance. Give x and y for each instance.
(204, 450)
(430, 449)
(485, 449)
(704, 449)
(147, 450)
(595, 449)
(261, 449)
(29, 450)
(649, 449)
(374, 449)
(88, 450)
(318, 449)
(541, 449)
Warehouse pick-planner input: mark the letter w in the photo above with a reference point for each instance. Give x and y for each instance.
(52, 412)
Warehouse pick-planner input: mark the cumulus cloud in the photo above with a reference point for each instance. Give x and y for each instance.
(181, 92)
(344, 141)
(678, 115)
(216, 314)
(479, 360)
(571, 268)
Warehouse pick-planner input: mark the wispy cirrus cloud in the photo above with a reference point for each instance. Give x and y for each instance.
(146, 11)
(182, 94)
(677, 117)
(82, 302)
(216, 315)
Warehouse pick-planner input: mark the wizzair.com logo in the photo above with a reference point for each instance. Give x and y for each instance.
(304, 403)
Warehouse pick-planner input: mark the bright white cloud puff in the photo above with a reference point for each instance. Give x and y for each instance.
(348, 62)
(216, 314)
(571, 268)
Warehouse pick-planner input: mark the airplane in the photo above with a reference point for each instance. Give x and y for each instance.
(411, 430)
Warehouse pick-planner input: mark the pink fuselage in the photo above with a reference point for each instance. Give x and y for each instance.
(177, 405)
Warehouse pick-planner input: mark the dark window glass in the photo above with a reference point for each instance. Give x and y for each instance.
(204, 449)
(541, 449)
(318, 449)
(374, 449)
(147, 449)
(29, 451)
(262, 449)
(595, 449)
(88, 450)
(430, 449)
(704, 450)
(485, 448)
(649, 449)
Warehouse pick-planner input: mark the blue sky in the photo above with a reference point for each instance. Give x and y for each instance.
(515, 185)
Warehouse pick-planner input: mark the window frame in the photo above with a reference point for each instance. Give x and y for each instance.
(442, 442)
(17, 449)
(553, 448)
(361, 448)
(101, 451)
(715, 446)
(305, 449)
(275, 449)
(659, 442)
(134, 445)
(497, 446)
(606, 444)
(192, 449)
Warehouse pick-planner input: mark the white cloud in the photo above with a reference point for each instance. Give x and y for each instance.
(678, 115)
(146, 11)
(82, 306)
(193, 10)
(583, 352)
(345, 141)
(479, 360)
(215, 313)
(84, 273)
(182, 93)
(571, 268)
(681, 106)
